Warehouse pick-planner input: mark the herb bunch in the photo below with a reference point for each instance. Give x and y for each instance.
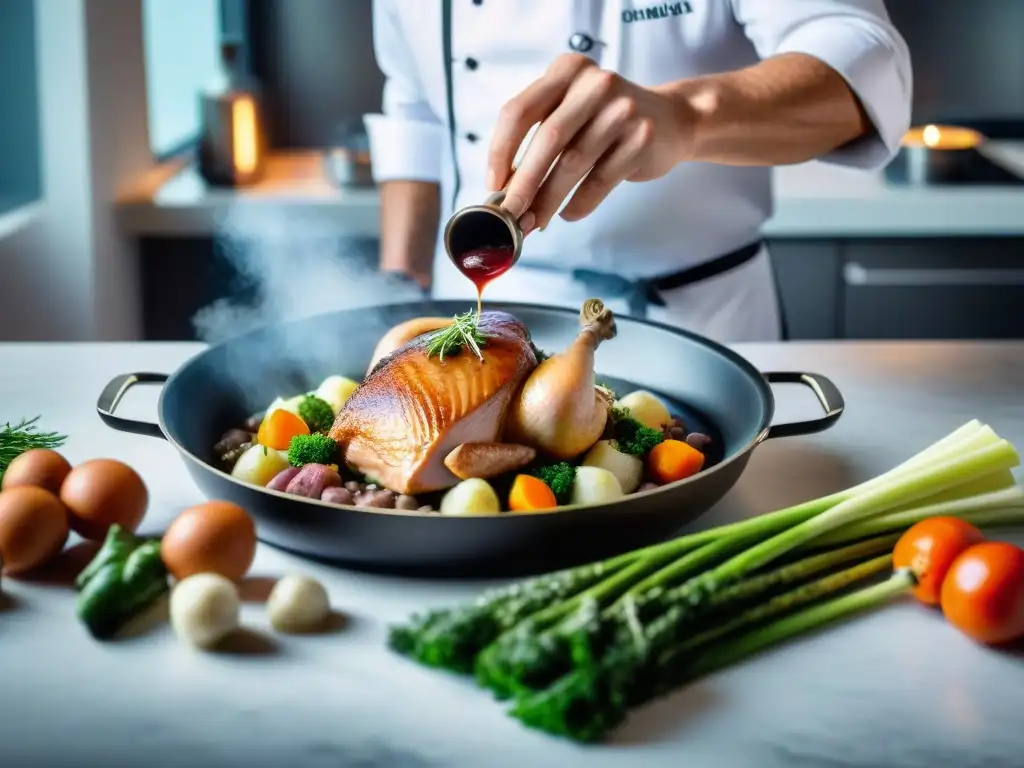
(24, 436)
(463, 332)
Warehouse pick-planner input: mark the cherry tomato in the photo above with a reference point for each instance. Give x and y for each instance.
(929, 548)
(983, 594)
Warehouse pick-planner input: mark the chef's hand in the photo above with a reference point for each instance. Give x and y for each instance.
(598, 125)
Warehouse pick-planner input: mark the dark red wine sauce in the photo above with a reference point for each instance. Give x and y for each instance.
(482, 265)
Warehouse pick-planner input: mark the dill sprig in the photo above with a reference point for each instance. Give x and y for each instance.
(463, 332)
(22, 437)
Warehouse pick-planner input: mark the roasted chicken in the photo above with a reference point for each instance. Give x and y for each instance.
(419, 423)
(560, 410)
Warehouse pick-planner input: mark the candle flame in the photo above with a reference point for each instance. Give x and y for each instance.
(931, 136)
(243, 119)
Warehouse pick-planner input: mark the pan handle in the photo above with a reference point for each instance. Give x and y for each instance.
(111, 397)
(827, 393)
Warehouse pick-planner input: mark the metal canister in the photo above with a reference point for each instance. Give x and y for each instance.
(483, 226)
(935, 155)
(231, 143)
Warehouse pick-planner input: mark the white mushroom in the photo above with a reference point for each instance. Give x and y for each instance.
(298, 603)
(204, 609)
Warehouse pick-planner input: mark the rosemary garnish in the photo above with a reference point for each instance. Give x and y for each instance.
(463, 332)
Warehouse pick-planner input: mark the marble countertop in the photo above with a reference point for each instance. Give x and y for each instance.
(896, 688)
(812, 200)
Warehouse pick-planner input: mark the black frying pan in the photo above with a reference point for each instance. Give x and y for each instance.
(714, 389)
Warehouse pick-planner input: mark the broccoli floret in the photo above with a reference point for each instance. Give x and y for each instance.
(633, 437)
(618, 413)
(559, 478)
(311, 449)
(317, 413)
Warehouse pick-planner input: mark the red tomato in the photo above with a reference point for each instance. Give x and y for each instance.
(983, 594)
(929, 548)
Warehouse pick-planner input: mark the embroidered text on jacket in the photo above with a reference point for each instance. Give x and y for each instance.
(663, 11)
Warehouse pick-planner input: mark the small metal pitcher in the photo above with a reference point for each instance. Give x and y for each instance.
(480, 226)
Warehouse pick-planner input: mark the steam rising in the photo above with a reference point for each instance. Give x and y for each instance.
(290, 266)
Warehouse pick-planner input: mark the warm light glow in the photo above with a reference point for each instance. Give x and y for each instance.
(942, 137)
(243, 119)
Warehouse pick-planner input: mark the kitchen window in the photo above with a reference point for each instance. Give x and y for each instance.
(20, 172)
(182, 48)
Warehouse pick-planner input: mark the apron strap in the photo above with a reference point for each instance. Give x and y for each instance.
(645, 293)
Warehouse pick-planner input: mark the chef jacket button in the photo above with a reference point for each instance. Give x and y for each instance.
(472, 138)
(581, 43)
(472, 63)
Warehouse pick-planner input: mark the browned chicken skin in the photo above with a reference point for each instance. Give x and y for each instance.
(412, 411)
(402, 334)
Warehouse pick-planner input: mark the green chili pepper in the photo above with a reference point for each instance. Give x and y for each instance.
(144, 577)
(124, 579)
(116, 548)
(99, 602)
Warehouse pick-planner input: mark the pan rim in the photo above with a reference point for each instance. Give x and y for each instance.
(761, 383)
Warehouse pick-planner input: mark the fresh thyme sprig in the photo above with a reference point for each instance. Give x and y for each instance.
(22, 437)
(463, 332)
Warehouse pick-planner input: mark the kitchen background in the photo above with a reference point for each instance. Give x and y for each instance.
(106, 231)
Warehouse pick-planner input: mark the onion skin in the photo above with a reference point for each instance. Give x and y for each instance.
(559, 410)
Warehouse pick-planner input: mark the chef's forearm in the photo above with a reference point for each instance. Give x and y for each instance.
(787, 109)
(409, 219)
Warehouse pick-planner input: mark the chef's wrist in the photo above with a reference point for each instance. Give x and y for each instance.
(696, 112)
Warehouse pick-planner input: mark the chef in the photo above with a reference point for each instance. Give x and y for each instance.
(641, 135)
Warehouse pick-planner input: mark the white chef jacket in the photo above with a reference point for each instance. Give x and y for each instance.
(697, 211)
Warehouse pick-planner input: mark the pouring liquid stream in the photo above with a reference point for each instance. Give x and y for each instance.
(482, 265)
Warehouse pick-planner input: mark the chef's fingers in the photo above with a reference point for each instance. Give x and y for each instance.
(590, 92)
(522, 112)
(580, 156)
(619, 164)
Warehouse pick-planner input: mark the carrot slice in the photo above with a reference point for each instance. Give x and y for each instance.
(278, 429)
(672, 460)
(530, 494)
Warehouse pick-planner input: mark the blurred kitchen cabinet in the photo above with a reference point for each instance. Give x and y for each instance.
(945, 288)
(183, 275)
(315, 61)
(180, 276)
(807, 273)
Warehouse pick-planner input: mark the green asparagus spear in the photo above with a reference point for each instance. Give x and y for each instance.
(452, 638)
(813, 618)
(536, 653)
(626, 635)
(579, 656)
(591, 716)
